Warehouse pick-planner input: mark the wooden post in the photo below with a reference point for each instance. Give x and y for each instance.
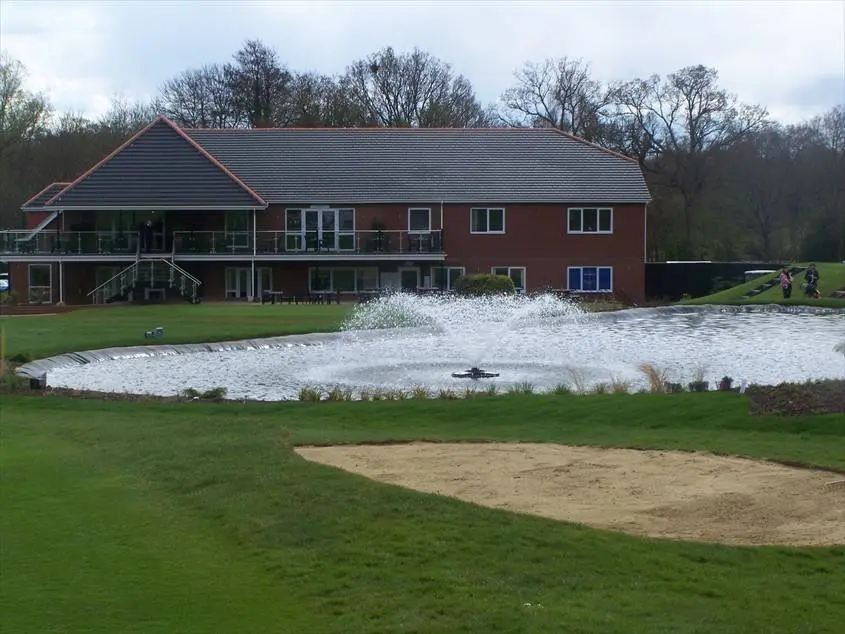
(2, 350)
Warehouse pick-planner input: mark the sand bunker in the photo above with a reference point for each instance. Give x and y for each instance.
(651, 493)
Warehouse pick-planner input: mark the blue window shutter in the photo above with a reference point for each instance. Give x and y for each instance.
(574, 279)
(604, 278)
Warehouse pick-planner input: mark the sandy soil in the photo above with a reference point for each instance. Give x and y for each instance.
(664, 494)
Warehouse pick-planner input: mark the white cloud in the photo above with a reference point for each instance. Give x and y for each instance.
(789, 56)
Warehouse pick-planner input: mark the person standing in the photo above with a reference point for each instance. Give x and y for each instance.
(811, 278)
(786, 282)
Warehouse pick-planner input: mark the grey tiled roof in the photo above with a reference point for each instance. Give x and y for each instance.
(159, 168)
(36, 203)
(424, 165)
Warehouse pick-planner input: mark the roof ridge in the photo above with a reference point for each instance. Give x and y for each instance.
(365, 129)
(580, 139)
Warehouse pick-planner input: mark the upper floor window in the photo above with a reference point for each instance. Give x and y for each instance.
(487, 220)
(591, 220)
(419, 220)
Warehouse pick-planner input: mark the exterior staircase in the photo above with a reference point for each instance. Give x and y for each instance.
(142, 278)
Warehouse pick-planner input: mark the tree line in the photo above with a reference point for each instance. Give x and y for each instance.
(728, 182)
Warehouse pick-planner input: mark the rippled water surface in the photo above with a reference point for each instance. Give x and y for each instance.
(403, 342)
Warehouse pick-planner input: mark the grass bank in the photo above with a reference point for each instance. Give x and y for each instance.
(832, 278)
(37, 336)
(199, 517)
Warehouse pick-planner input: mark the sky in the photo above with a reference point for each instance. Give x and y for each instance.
(787, 56)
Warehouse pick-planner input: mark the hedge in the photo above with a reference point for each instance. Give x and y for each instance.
(484, 284)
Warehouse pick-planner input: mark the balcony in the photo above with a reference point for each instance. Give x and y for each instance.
(68, 243)
(283, 243)
(208, 245)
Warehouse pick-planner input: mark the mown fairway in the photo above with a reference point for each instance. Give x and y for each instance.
(198, 517)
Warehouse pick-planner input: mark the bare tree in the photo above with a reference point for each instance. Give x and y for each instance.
(559, 93)
(257, 83)
(201, 98)
(318, 101)
(22, 113)
(412, 90)
(126, 117)
(820, 160)
(753, 181)
(676, 125)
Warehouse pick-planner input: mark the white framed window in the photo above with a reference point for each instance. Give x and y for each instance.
(419, 220)
(487, 220)
(590, 279)
(238, 226)
(342, 279)
(445, 277)
(516, 273)
(40, 284)
(590, 220)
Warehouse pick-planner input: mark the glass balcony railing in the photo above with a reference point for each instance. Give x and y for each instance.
(312, 242)
(68, 243)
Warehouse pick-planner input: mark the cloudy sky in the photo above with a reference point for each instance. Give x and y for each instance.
(788, 56)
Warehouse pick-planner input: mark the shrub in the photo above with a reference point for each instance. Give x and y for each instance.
(12, 382)
(484, 284)
(309, 394)
(619, 386)
(798, 399)
(523, 387)
(214, 394)
(656, 377)
(339, 394)
(190, 393)
(419, 393)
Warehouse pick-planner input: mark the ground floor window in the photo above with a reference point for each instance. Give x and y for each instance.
(516, 273)
(40, 284)
(590, 279)
(238, 278)
(445, 277)
(342, 279)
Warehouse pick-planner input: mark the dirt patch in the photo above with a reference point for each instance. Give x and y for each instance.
(666, 494)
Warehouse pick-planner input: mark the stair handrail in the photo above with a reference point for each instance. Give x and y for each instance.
(181, 271)
(113, 277)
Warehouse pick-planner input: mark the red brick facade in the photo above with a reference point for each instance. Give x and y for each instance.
(535, 239)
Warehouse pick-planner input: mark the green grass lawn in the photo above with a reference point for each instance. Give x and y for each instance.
(38, 336)
(198, 517)
(832, 278)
